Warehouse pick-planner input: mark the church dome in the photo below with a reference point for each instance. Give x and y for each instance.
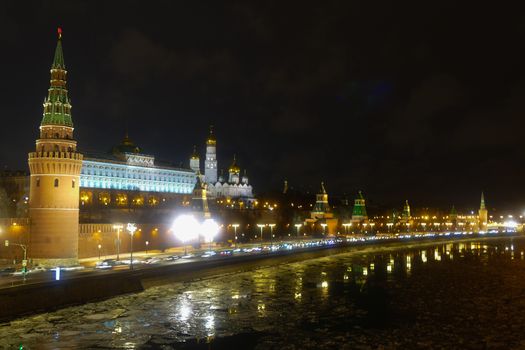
(195, 155)
(234, 168)
(126, 146)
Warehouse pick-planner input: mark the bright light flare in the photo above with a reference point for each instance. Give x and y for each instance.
(186, 228)
(209, 229)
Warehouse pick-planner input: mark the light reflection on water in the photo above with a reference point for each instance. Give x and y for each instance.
(284, 299)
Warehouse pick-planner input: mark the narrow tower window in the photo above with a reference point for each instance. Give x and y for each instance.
(37, 182)
(73, 184)
(56, 182)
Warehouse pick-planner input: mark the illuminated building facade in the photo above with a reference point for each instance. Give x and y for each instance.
(128, 169)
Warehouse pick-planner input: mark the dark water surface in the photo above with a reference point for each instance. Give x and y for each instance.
(468, 294)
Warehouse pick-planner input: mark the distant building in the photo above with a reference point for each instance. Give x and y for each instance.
(234, 187)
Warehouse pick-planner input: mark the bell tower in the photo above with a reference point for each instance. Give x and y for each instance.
(210, 163)
(55, 177)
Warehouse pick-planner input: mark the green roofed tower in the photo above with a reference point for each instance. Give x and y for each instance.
(57, 106)
(359, 212)
(54, 184)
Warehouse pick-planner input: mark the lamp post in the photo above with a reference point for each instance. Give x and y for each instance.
(147, 244)
(298, 226)
(235, 233)
(271, 235)
(209, 230)
(131, 229)
(99, 247)
(186, 228)
(118, 228)
(324, 226)
(24, 262)
(261, 226)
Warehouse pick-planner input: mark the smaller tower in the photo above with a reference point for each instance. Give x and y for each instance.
(453, 216)
(359, 211)
(483, 214)
(195, 161)
(210, 163)
(406, 211)
(321, 203)
(234, 171)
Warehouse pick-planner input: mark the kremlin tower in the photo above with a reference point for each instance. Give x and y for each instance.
(483, 214)
(359, 211)
(55, 177)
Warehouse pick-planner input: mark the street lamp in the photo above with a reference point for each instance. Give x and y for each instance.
(118, 228)
(298, 226)
(131, 229)
(235, 233)
(261, 226)
(324, 226)
(147, 244)
(209, 230)
(24, 261)
(186, 228)
(99, 247)
(271, 235)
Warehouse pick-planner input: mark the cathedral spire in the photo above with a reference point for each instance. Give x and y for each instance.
(57, 106)
(482, 204)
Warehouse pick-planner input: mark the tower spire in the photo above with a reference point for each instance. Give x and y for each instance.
(482, 205)
(57, 106)
(58, 60)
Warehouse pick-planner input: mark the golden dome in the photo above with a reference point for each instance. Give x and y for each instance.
(194, 155)
(234, 168)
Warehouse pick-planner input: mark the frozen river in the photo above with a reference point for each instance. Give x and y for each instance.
(396, 298)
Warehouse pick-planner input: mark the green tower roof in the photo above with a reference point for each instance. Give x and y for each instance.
(57, 106)
(359, 206)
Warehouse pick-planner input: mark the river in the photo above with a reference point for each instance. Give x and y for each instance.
(468, 294)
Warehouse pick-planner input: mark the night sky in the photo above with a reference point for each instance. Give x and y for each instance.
(418, 100)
